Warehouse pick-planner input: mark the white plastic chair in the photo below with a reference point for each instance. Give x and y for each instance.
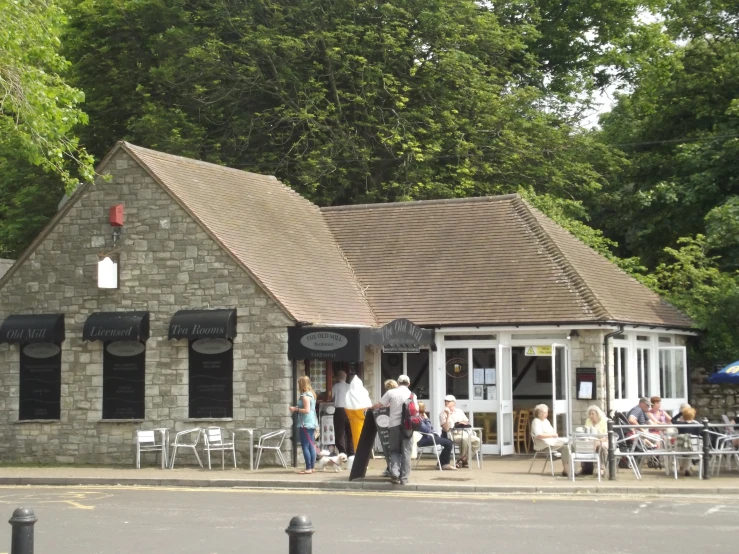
(214, 439)
(547, 452)
(272, 441)
(184, 439)
(583, 449)
(146, 441)
(434, 449)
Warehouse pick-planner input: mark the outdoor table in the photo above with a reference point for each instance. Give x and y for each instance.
(164, 432)
(251, 431)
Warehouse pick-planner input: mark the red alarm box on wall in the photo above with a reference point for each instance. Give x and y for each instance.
(116, 215)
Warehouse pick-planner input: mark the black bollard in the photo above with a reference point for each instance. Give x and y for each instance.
(706, 448)
(611, 451)
(301, 532)
(22, 539)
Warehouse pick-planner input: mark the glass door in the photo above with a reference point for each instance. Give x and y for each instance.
(472, 377)
(560, 389)
(505, 404)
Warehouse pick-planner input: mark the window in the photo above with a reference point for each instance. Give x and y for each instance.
(457, 371)
(124, 367)
(40, 380)
(211, 378)
(672, 372)
(620, 372)
(642, 369)
(415, 365)
(665, 340)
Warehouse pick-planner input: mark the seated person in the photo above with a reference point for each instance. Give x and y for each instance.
(545, 437)
(638, 416)
(685, 432)
(598, 422)
(426, 427)
(453, 418)
(656, 414)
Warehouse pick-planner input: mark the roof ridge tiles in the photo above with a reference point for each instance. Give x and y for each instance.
(414, 203)
(579, 285)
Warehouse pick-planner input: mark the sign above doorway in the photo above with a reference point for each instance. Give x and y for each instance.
(538, 350)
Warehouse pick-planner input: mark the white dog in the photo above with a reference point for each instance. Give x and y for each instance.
(327, 460)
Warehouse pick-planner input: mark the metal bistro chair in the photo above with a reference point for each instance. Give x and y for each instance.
(146, 441)
(583, 448)
(184, 439)
(214, 440)
(272, 441)
(547, 452)
(434, 449)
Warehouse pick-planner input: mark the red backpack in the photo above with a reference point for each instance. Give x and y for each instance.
(411, 417)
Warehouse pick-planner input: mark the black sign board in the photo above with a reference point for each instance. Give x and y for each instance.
(382, 418)
(40, 381)
(124, 364)
(364, 447)
(211, 378)
(33, 328)
(341, 344)
(117, 326)
(402, 335)
(203, 324)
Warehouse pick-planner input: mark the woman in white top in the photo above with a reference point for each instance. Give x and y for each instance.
(544, 436)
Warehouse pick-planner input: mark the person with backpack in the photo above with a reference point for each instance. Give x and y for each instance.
(401, 402)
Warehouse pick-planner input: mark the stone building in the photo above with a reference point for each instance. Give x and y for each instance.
(201, 304)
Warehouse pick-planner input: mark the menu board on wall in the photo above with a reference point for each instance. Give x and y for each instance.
(211, 378)
(124, 368)
(40, 381)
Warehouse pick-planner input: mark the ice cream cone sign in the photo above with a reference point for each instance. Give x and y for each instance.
(357, 401)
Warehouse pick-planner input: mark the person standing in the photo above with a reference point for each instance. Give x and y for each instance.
(400, 441)
(307, 422)
(344, 443)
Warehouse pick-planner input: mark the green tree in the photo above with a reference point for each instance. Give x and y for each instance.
(37, 108)
(692, 281)
(679, 131)
(346, 100)
(29, 196)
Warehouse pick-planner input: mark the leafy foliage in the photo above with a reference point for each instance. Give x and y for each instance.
(693, 282)
(346, 100)
(36, 106)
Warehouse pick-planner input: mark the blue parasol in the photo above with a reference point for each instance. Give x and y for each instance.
(729, 374)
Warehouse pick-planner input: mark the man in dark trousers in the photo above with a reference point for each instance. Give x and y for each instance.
(344, 442)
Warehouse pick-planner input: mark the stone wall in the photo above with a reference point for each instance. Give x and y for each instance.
(167, 263)
(587, 351)
(712, 401)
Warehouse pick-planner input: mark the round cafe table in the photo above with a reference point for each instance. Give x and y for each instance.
(251, 431)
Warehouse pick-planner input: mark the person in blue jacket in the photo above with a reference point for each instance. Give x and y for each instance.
(447, 444)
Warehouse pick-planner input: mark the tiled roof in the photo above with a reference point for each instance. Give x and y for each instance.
(491, 260)
(277, 235)
(5, 265)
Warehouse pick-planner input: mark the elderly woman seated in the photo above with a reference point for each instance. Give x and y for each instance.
(545, 436)
(598, 424)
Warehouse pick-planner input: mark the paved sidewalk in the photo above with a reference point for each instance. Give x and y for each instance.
(499, 475)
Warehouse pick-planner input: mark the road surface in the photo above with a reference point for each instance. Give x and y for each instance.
(113, 520)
